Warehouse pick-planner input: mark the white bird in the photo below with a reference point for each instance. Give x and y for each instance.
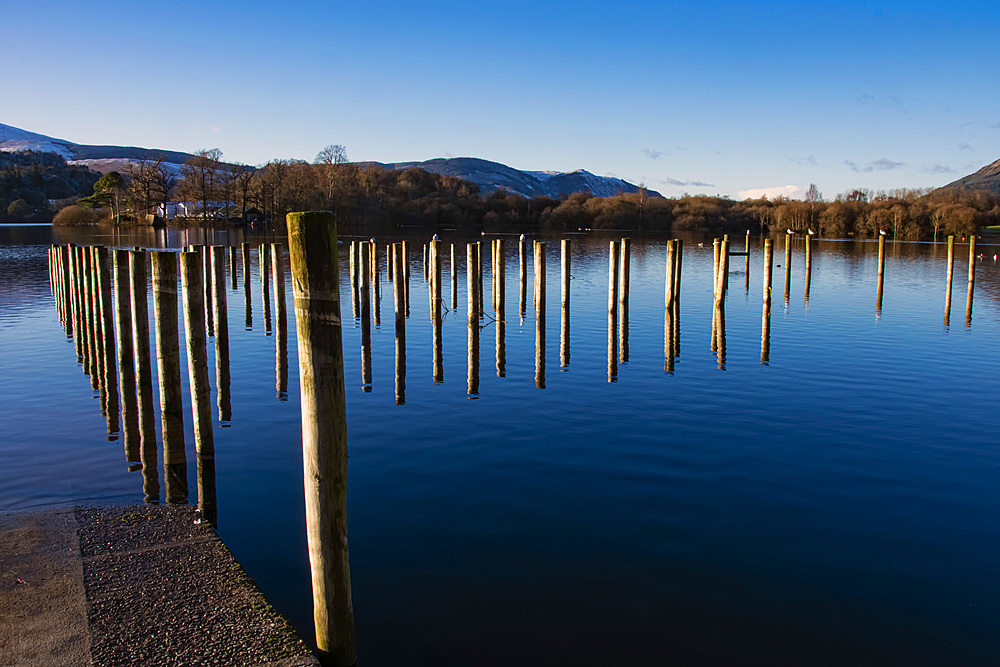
(994, 258)
(882, 232)
(790, 231)
(373, 239)
(434, 238)
(522, 237)
(482, 233)
(810, 232)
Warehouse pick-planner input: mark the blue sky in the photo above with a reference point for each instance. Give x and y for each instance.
(697, 97)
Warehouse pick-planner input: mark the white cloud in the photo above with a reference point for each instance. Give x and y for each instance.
(790, 191)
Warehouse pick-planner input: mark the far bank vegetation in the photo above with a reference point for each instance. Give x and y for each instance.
(370, 197)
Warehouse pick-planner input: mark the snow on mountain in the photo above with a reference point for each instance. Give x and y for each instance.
(16, 139)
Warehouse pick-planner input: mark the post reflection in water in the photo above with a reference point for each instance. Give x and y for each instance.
(264, 259)
(435, 291)
(75, 302)
(540, 314)
(168, 369)
(765, 319)
(670, 307)
(972, 279)
(364, 301)
(90, 303)
(232, 267)
(788, 268)
(220, 308)
(522, 277)
(400, 321)
(471, 280)
(206, 270)
(108, 341)
(144, 375)
(612, 311)
(281, 340)
(126, 358)
(623, 289)
(193, 306)
(313, 256)
(247, 301)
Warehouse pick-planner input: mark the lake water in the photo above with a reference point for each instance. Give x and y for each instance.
(836, 505)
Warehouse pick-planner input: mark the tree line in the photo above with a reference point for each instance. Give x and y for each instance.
(34, 185)
(369, 197)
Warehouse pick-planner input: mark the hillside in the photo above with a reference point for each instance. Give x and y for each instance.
(491, 176)
(987, 178)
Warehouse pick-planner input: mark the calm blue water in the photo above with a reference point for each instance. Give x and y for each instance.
(837, 505)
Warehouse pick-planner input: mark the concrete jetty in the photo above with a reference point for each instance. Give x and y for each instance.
(134, 585)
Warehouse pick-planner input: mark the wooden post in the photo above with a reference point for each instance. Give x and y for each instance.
(678, 265)
(364, 299)
(192, 297)
(143, 374)
(972, 279)
(168, 368)
(220, 312)
(353, 268)
(435, 289)
(67, 287)
(426, 267)
(406, 278)
(951, 270)
(746, 266)
(788, 267)
(79, 328)
(454, 279)
(500, 278)
(97, 325)
(126, 359)
(623, 291)
(493, 273)
(716, 248)
(565, 269)
(376, 285)
(281, 340)
(312, 243)
(522, 278)
(471, 278)
(90, 356)
(247, 301)
(612, 311)
(264, 258)
(206, 272)
(540, 315)
(400, 320)
(720, 304)
(765, 325)
(881, 272)
(232, 267)
(107, 337)
(479, 282)
(808, 264)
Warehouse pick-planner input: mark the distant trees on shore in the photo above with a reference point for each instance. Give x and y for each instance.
(367, 197)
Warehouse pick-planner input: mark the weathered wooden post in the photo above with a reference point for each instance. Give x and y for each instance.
(454, 279)
(716, 249)
(746, 265)
(207, 273)
(501, 320)
(808, 264)
(522, 273)
(788, 266)
(612, 311)
(90, 317)
(376, 286)
(765, 326)
(247, 301)
(220, 312)
(108, 337)
(565, 269)
(720, 305)
(540, 314)
(126, 359)
(312, 244)
(65, 280)
(400, 320)
(406, 278)
(479, 280)
(881, 273)
(353, 268)
(623, 291)
(951, 270)
(281, 339)
(972, 278)
(678, 265)
(435, 289)
(168, 368)
(493, 273)
(79, 324)
(192, 296)
(264, 259)
(426, 272)
(143, 374)
(500, 278)
(98, 327)
(471, 278)
(233, 267)
(364, 299)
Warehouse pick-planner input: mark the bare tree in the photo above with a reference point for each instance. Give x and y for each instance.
(200, 176)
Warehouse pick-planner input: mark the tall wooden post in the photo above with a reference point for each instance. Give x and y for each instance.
(376, 285)
(107, 337)
(746, 265)
(454, 279)
(720, 304)
(312, 245)
(716, 248)
(232, 267)
(612, 311)
(192, 297)
(471, 279)
(281, 339)
(247, 301)
(364, 300)
(435, 289)
(808, 264)
(168, 368)
(90, 316)
(951, 270)
(425, 264)
(765, 323)
(207, 273)
(126, 359)
(500, 277)
(565, 269)
(264, 258)
(479, 279)
(540, 314)
(522, 274)
(406, 278)
(143, 374)
(220, 312)
(400, 321)
(623, 290)
(972, 279)
(881, 272)
(788, 267)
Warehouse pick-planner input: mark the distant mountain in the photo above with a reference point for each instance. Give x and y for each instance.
(987, 178)
(491, 176)
(97, 158)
